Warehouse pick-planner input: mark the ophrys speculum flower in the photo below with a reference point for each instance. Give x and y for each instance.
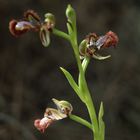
(93, 44)
(64, 109)
(32, 22)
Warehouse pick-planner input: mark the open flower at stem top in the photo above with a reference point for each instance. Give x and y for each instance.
(32, 22)
(93, 43)
(63, 110)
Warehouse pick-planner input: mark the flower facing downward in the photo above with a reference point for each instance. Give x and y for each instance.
(93, 43)
(31, 21)
(51, 115)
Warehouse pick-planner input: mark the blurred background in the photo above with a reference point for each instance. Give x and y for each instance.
(30, 75)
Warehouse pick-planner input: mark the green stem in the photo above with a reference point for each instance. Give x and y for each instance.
(76, 52)
(89, 102)
(72, 38)
(61, 34)
(83, 84)
(81, 121)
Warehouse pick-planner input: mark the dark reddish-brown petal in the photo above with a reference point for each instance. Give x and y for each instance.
(31, 13)
(111, 40)
(13, 30)
(91, 37)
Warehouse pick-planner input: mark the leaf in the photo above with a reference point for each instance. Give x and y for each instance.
(101, 122)
(72, 83)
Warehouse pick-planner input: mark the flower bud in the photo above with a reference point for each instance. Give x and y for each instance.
(70, 14)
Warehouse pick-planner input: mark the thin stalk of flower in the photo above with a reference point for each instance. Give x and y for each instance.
(61, 34)
(80, 120)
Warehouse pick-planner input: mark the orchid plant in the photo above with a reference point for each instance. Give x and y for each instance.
(86, 50)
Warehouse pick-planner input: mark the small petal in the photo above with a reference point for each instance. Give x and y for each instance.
(99, 57)
(31, 16)
(92, 37)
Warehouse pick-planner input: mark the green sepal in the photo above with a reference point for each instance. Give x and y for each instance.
(83, 47)
(44, 37)
(49, 17)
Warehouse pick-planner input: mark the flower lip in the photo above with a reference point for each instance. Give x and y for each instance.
(12, 27)
(42, 124)
(18, 28)
(105, 41)
(111, 40)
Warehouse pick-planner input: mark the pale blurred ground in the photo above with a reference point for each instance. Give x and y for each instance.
(30, 75)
